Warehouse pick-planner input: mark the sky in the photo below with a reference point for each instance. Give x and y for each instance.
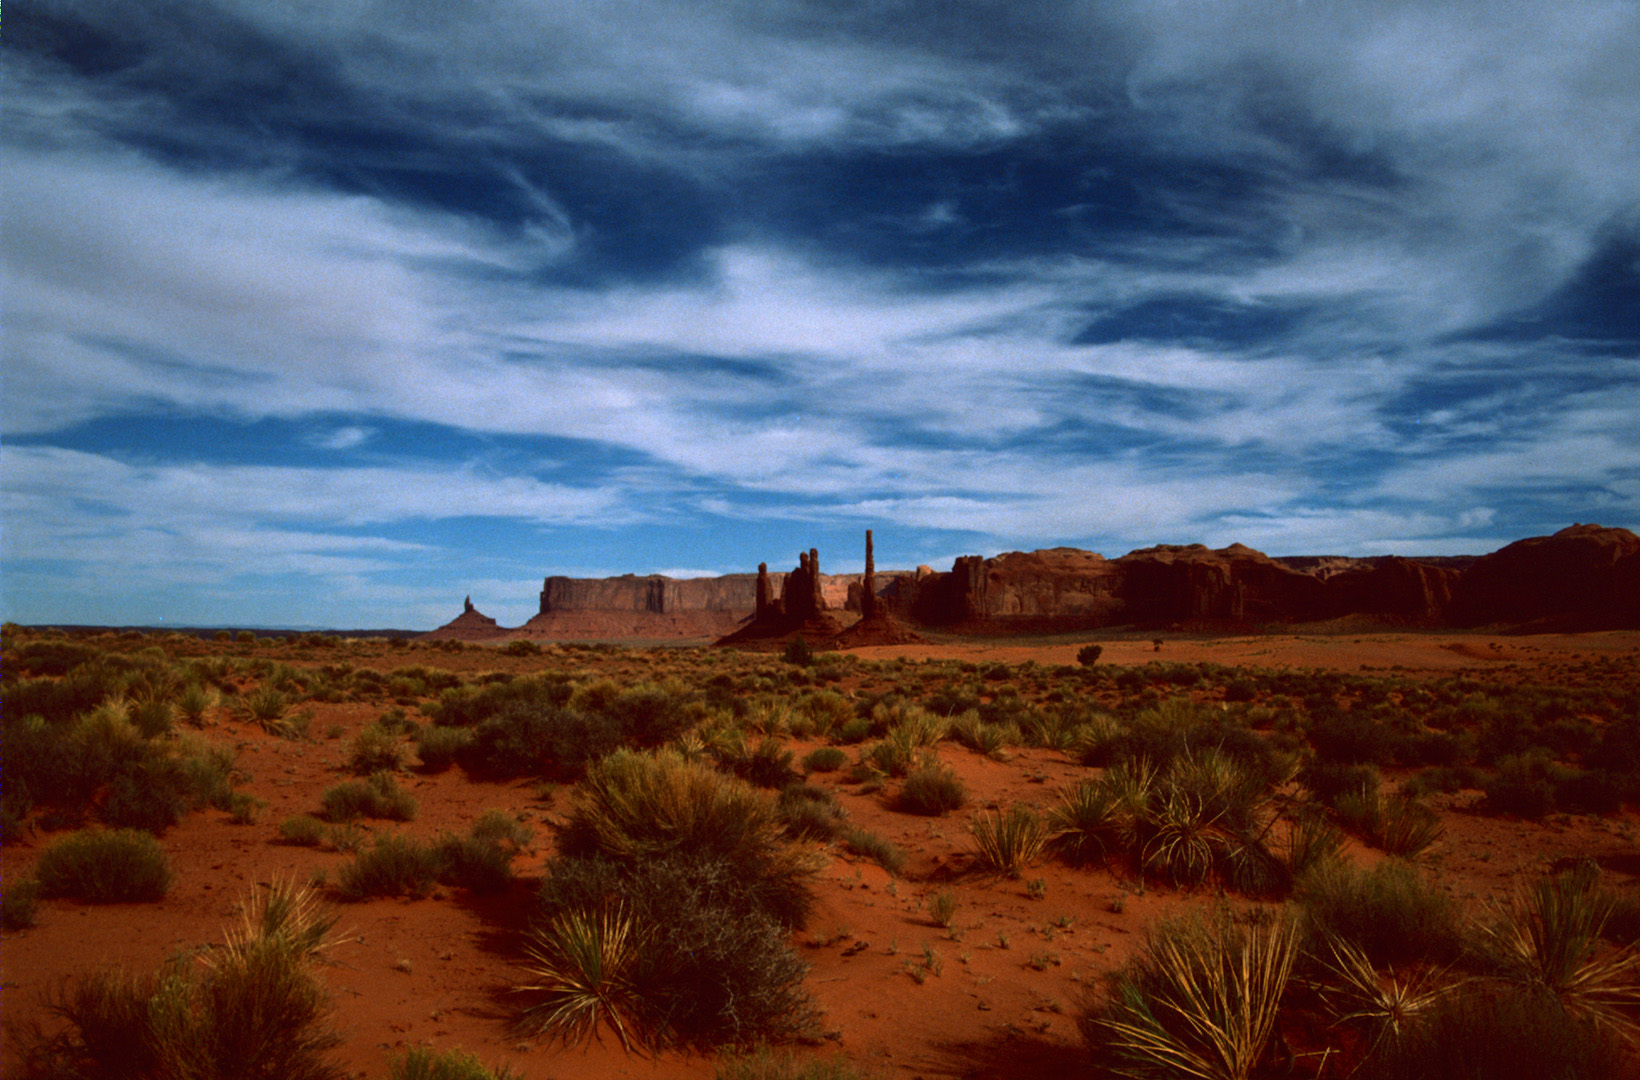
(317, 314)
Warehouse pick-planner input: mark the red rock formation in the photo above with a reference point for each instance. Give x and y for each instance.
(470, 625)
(801, 610)
(1579, 578)
(1392, 587)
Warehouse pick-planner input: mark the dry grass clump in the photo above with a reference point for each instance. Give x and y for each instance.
(1389, 912)
(104, 867)
(252, 1008)
(420, 1063)
(380, 796)
(931, 789)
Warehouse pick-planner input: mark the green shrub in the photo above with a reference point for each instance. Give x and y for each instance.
(420, 1063)
(857, 730)
(255, 1010)
(765, 1064)
(633, 807)
(482, 860)
(1481, 1033)
(1389, 912)
(874, 847)
(104, 867)
(393, 866)
(678, 949)
(18, 903)
(374, 750)
(931, 789)
(1088, 655)
(798, 652)
(377, 797)
(809, 813)
(767, 766)
(824, 759)
(438, 747)
(304, 830)
(1523, 786)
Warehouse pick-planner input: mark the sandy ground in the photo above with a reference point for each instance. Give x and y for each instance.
(994, 995)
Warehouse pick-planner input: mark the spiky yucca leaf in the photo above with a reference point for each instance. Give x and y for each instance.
(1548, 937)
(584, 969)
(1087, 821)
(1383, 1002)
(1201, 1001)
(1008, 842)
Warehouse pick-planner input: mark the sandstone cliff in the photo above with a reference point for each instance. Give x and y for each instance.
(1582, 577)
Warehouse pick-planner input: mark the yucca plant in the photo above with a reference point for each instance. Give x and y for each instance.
(192, 702)
(1547, 938)
(267, 706)
(1200, 1001)
(584, 970)
(1185, 837)
(1381, 1004)
(1087, 822)
(1007, 842)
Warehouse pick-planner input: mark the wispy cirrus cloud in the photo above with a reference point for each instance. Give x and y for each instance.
(381, 303)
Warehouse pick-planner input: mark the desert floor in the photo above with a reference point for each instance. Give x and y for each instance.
(993, 995)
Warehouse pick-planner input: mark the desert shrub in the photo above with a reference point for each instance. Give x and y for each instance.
(991, 740)
(254, 1010)
(393, 866)
(1481, 1033)
(809, 813)
(768, 765)
(860, 842)
(765, 1064)
(420, 1063)
(675, 949)
(152, 718)
(857, 730)
(1389, 912)
(304, 830)
(1088, 655)
(192, 702)
(1396, 825)
(634, 807)
(1327, 781)
(374, 750)
(645, 715)
(824, 759)
(482, 860)
(104, 867)
(18, 903)
(1007, 842)
(931, 789)
(798, 651)
(379, 796)
(438, 747)
(1547, 939)
(1524, 785)
(1201, 1000)
(54, 701)
(1311, 840)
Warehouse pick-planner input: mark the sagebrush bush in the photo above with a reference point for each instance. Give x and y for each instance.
(768, 765)
(104, 867)
(824, 759)
(420, 1063)
(1389, 911)
(393, 866)
(374, 750)
(304, 830)
(19, 903)
(438, 747)
(633, 807)
(809, 813)
(874, 847)
(931, 789)
(380, 796)
(686, 947)
(1483, 1033)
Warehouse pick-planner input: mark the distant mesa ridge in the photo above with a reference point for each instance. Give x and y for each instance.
(1583, 577)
